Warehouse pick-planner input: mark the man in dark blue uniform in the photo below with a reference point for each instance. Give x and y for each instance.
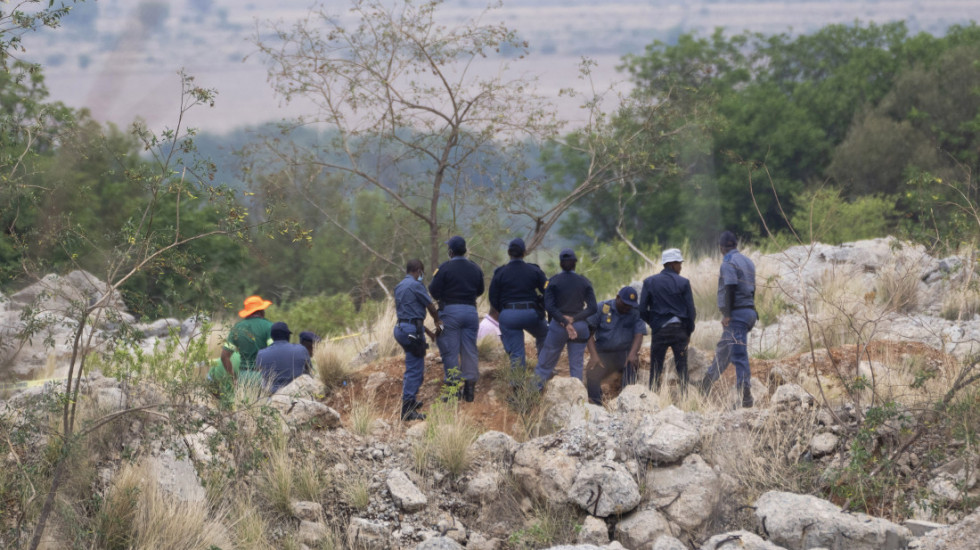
(617, 334)
(516, 293)
(667, 305)
(456, 285)
(736, 300)
(281, 362)
(411, 302)
(569, 299)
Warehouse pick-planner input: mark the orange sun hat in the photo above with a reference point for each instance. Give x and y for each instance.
(253, 304)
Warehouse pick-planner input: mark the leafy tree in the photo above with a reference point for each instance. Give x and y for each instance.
(22, 17)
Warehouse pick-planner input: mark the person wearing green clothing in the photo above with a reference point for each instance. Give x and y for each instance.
(248, 336)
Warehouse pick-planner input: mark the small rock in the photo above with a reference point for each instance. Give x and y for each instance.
(823, 444)
(306, 510)
(641, 529)
(439, 543)
(593, 531)
(312, 532)
(406, 495)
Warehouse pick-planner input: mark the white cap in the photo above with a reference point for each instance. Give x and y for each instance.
(671, 255)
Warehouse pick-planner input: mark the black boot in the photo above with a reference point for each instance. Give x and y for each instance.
(469, 391)
(410, 410)
(747, 397)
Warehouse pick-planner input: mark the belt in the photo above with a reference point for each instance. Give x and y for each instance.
(410, 321)
(456, 303)
(520, 305)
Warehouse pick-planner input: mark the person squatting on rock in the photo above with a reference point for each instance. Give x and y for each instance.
(667, 305)
(517, 297)
(736, 300)
(456, 285)
(281, 362)
(411, 302)
(569, 300)
(247, 337)
(617, 334)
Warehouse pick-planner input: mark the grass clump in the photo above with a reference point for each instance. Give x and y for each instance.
(447, 441)
(356, 490)
(276, 480)
(549, 525)
(898, 290)
(332, 366)
(363, 416)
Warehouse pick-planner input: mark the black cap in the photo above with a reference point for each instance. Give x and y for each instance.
(280, 330)
(567, 254)
(307, 336)
(728, 239)
(516, 247)
(457, 245)
(628, 295)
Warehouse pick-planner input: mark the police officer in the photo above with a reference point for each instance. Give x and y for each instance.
(281, 362)
(456, 285)
(411, 301)
(569, 300)
(736, 300)
(617, 334)
(667, 305)
(516, 293)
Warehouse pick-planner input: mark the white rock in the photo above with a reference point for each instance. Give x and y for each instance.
(641, 529)
(406, 495)
(688, 494)
(604, 489)
(802, 521)
(304, 386)
(666, 437)
(791, 396)
(962, 535)
(593, 531)
(823, 444)
(370, 535)
(299, 411)
(739, 540)
(667, 542)
(439, 543)
(312, 532)
(545, 473)
(306, 510)
(176, 476)
(636, 398)
(483, 486)
(496, 446)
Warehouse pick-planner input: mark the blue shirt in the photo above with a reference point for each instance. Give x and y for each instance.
(739, 271)
(516, 282)
(458, 281)
(664, 296)
(281, 362)
(614, 331)
(411, 299)
(569, 293)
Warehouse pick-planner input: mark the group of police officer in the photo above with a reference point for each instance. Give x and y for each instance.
(561, 312)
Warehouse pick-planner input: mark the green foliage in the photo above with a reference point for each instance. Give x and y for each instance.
(325, 314)
(824, 215)
(608, 265)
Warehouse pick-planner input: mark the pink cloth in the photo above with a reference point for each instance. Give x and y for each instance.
(488, 327)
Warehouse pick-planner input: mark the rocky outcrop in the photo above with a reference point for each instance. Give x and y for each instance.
(604, 489)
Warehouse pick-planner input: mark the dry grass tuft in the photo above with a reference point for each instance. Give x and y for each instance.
(332, 365)
(363, 416)
(249, 529)
(356, 490)
(898, 289)
(137, 514)
(448, 439)
(276, 481)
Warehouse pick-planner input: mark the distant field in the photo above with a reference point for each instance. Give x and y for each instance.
(121, 66)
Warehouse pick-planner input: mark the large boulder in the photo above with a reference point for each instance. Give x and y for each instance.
(604, 489)
(636, 399)
(564, 400)
(666, 437)
(304, 386)
(687, 493)
(739, 540)
(640, 530)
(800, 522)
(176, 475)
(544, 472)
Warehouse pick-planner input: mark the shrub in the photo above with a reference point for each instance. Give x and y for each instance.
(824, 216)
(325, 314)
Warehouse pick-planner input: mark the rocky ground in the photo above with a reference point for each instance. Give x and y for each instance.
(858, 445)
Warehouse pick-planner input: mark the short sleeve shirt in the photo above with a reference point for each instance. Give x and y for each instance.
(614, 331)
(737, 270)
(411, 299)
(247, 337)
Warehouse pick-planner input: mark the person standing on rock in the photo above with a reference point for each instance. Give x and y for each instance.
(515, 292)
(456, 285)
(281, 362)
(411, 302)
(617, 334)
(569, 300)
(667, 305)
(736, 300)
(247, 337)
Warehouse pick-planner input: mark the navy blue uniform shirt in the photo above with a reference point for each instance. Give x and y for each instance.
(516, 282)
(458, 281)
(569, 293)
(614, 331)
(664, 296)
(282, 362)
(411, 299)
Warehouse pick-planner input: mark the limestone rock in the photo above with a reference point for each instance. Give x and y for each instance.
(439, 543)
(110, 399)
(370, 535)
(545, 473)
(483, 486)
(406, 495)
(688, 493)
(176, 476)
(636, 398)
(593, 531)
(802, 521)
(604, 489)
(496, 446)
(304, 386)
(666, 437)
(959, 536)
(640, 530)
(367, 355)
(823, 444)
(739, 540)
(312, 532)
(791, 396)
(299, 411)
(305, 510)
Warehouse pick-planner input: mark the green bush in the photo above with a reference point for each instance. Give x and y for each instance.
(324, 314)
(823, 215)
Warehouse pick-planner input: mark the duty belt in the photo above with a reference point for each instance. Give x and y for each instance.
(520, 305)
